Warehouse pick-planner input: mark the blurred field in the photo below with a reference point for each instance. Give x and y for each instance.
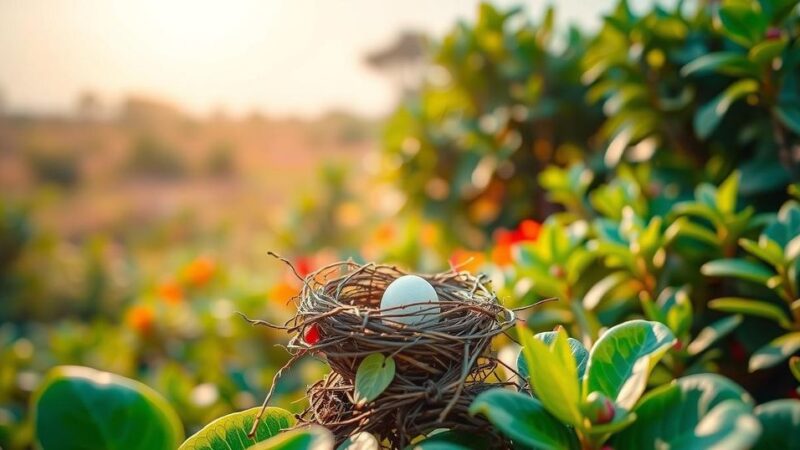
(153, 163)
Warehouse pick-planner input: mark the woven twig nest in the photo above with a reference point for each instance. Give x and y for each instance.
(441, 364)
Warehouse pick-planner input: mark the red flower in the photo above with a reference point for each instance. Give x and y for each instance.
(304, 265)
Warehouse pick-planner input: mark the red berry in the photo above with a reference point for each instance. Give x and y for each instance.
(312, 334)
(598, 408)
(773, 33)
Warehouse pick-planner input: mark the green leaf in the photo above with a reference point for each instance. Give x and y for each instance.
(600, 289)
(713, 333)
(764, 52)
(743, 22)
(780, 421)
(79, 407)
(312, 437)
(765, 249)
(752, 308)
(230, 432)
(709, 115)
(727, 194)
(360, 441)
(523, 419)
(775, 352)
(452, 440)
(374, 375)
(737, 268)
(621, 360)
(789, 114)
(726, 63)
(683, 227)
(695, 412)
(575, 347)
(553, 375)
(794, 367)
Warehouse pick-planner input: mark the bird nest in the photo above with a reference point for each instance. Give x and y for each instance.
(442, 364)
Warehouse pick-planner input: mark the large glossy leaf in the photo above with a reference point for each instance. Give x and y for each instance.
(553, 375)
(313, 437)
(523, 419)
(83, 408)
(374, 374)
(752, 307)
(775, 352)
(780, 420)
(695, 412)
(738, 268)
(621, 360)
(709, 115)
(575, 347)
(230, 432)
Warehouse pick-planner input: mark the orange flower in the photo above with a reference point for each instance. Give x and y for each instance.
(282, 293)
(141, 318)
(527, 231)
(200, 271)
(385, 234)
(171, 292)
(468, 260)
(501, 254)
(429, 235)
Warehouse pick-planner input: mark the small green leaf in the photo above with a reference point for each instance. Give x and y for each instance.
(575, 347)
(713, 333)
(683, 227)
(765, 249)
(709, 115)
(743, 22)
(764, 52)
(79, 407)
(780, 421)
(600, 289)
(794, 366)
(523, 419)
(374, 375)
(553, 375)
(694, 412)
(312, 437)
(752, 308)
(775, 352)
(230, 432)
(726, 63)
(727, 194)
(789, 114)
(621, 360)
(738, 268)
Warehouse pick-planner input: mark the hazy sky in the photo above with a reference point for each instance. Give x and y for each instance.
(281, 57)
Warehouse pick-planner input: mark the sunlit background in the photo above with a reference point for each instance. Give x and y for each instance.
(153, 152)
(298, 58)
